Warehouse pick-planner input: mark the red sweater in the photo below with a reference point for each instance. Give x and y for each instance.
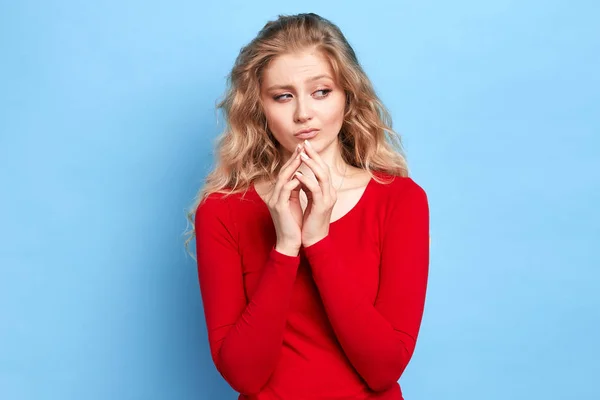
(338, 321)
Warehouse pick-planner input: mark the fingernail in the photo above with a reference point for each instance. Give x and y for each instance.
(304, 156)
(306, 142)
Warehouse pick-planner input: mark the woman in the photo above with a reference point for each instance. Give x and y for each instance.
(312, 241)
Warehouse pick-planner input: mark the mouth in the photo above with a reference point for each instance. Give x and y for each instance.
(307, 134)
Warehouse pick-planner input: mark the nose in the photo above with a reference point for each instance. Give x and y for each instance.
(303, 110)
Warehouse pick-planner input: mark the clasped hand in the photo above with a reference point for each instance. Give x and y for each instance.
(320, 194)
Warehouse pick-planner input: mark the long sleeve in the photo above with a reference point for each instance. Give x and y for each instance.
(245, 338)
(379, 339)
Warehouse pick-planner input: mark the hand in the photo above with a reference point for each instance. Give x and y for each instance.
(321, 196)
(284, 206)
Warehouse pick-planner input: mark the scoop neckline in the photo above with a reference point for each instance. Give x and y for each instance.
(347, 215)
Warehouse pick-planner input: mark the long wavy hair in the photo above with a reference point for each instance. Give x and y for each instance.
(246, 151)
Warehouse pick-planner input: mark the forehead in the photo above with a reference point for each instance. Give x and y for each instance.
(296, 67)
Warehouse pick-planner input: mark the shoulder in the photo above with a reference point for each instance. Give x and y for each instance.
(214, 206)
(225, 207)
(221, 201)
(400, 189)
(213, 202)
(400, 199)
(403, 206)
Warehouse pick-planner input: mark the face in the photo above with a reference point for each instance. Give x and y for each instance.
(298, 92)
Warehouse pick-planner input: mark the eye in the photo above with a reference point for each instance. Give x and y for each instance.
(280, 96)
(325, 93)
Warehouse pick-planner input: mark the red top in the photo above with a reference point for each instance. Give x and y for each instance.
(340, 320)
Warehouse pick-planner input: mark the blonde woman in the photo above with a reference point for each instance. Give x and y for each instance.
(311, 240)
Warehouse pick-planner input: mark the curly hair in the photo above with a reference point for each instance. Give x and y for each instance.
(246, 151)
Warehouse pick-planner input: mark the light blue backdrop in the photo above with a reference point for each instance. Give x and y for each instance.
(107, 122)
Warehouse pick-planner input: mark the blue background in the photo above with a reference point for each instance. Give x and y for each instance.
(107, 122)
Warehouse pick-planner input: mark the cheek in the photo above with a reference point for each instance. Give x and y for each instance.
(275, 119)
(277, 123)
(276, 115)
(333, 113)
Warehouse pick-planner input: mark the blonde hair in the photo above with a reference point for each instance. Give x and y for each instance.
(246, 151)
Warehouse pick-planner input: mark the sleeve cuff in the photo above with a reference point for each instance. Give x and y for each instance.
(322, 246)
(284, 259)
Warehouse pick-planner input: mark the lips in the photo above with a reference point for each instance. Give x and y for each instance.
(306, 133)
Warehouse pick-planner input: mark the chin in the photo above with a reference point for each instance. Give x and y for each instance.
(320, 143)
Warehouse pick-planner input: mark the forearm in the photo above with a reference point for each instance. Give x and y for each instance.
(247, 352)
(379, 338)
(377, 351)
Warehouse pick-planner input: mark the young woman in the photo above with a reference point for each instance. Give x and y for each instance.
(312, 242)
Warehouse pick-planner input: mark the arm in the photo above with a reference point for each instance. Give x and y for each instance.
(379, 339)
(245, 338)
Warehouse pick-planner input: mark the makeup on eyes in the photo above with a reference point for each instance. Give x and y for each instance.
(325, 94)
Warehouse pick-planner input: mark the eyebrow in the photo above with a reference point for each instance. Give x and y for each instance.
(290, 87)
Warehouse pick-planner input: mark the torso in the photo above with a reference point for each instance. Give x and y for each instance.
(310, 348)
(353, 187)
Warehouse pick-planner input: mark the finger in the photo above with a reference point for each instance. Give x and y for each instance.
(312, 153)
(324, 177)
(312, 185)
(292, 158)
(320, 174)
(295, 192)
(294, 154)
(286, 173)
(287, 191)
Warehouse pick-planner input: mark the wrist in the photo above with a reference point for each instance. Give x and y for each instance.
(310, 241)
(288, 250)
